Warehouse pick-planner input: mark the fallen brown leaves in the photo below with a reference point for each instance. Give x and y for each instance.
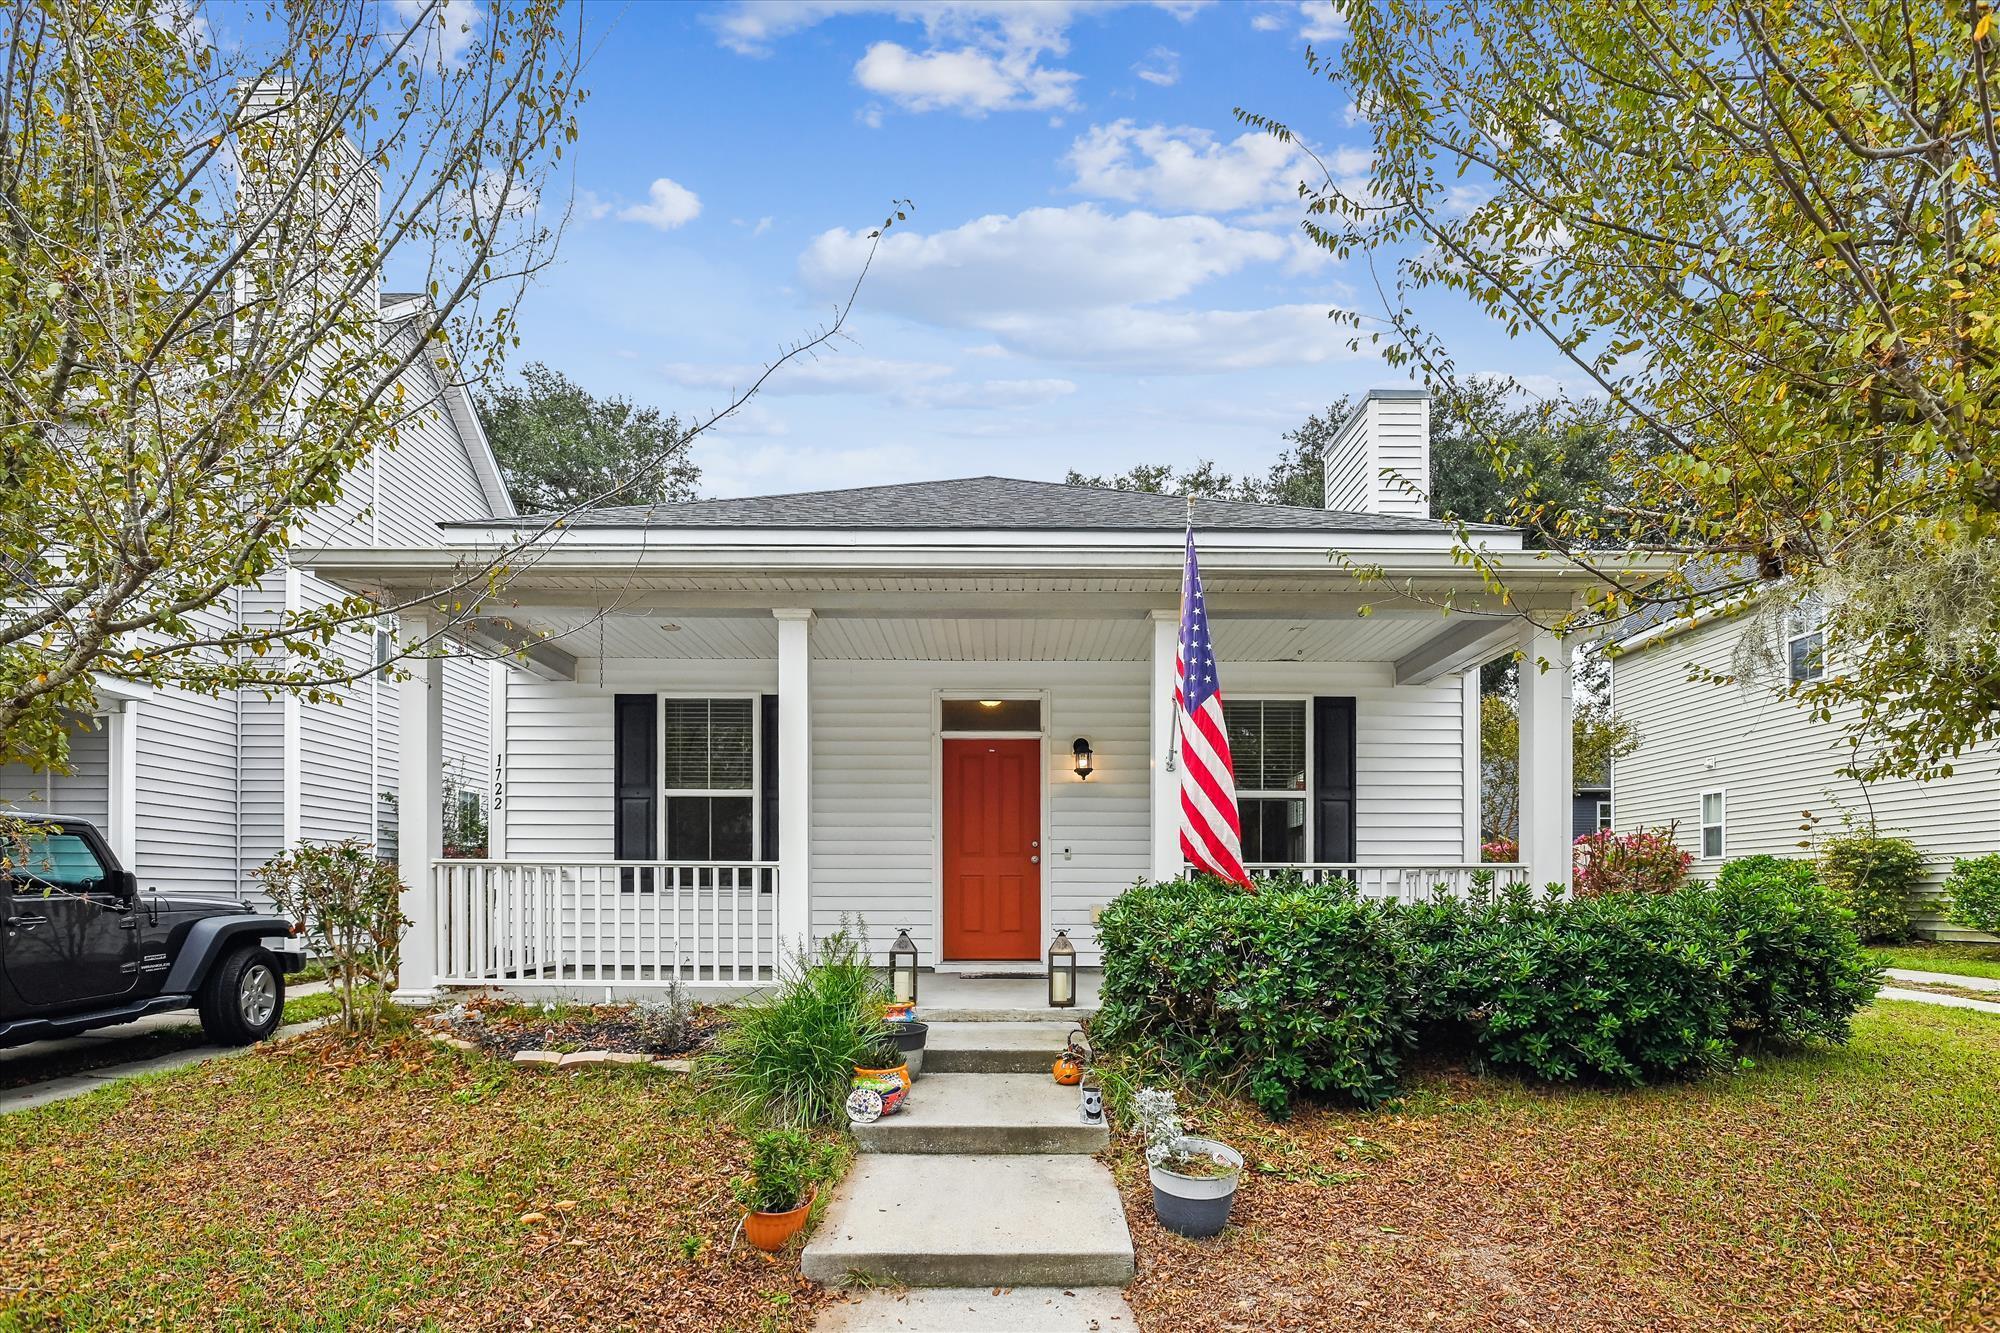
(401, 1185)
(1849, 1189)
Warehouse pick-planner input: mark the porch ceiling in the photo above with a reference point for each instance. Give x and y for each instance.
(976, 639)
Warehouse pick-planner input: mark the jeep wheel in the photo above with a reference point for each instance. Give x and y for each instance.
(243, 998)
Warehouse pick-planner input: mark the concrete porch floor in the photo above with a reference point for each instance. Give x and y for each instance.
(952, 997)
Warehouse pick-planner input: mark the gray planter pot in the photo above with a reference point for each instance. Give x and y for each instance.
(910, 1038)
(1196, 1206)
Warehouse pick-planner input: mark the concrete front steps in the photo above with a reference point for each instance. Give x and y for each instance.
(984, 1180)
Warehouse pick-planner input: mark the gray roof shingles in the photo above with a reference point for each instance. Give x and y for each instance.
(992, 503)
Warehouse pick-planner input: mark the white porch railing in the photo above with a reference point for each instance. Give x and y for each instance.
(610, 923)
(1397, 882)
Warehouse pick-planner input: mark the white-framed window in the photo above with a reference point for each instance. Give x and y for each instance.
(1714, 814)
(1269, 745)
(1604, 816)
(1805, 643)
(708, 778)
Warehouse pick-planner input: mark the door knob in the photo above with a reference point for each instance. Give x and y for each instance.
(1034, 860)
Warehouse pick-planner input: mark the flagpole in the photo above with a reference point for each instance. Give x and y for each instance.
(1174, 741)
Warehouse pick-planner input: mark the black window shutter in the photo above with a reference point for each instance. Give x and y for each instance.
(767, 777)
(635, 769)
(1333, 780)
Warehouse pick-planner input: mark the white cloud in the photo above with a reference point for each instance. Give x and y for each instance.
(834, 373)
(763, 225)
(1267, 22)
(1185, 167)
(670, 204)
(589, 206)
(729, 468)
(966, 80)
(1040, 259)
(990, 394)
(979, 56)
(1161, 67)
(1311, 20)
(1079, 286)
(454, 25)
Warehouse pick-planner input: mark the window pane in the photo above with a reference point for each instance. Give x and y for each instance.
(1244, 721)
(685, 762)
(687, 828)
(732, 739)
(1711, 807)
(59, 860)
(1273, 830)
(1805, 652)
(991, 714)
(730, 837)
(1711, 840)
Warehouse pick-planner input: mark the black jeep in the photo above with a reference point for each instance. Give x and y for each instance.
(82, 947)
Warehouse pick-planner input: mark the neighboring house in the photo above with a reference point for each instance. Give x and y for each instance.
(194, 791)
(1590, 811)
(1742, 769)
(755, 718)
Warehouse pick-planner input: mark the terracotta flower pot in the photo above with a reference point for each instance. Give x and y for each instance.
(771, 1231)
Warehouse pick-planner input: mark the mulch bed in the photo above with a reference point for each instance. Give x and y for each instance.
(506, 1028)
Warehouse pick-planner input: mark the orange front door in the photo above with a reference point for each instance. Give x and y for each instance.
(992, 850)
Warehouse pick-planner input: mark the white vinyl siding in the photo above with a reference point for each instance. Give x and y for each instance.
(1779, 767)
(874, 734)
(84, 792)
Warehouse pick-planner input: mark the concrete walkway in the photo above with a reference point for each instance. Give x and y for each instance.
(1941, 979)
(982, 1194)
(65, 1086)
(1937, 998)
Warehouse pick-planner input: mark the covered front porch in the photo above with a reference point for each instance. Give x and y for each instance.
(690, 783)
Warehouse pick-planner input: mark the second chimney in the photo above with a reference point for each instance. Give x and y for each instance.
(1379, 461)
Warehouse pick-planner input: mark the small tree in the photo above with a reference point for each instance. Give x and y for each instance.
(1872, 876)
(1973, 890)
(1644, 861)
(349, 904)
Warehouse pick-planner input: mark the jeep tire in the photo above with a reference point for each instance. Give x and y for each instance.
(243, 998)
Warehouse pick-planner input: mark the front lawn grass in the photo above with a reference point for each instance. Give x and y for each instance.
(327, 1184)
(1965, 960)
(1848, 1188)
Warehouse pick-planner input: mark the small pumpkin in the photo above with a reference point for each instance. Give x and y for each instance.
(1068, 1070)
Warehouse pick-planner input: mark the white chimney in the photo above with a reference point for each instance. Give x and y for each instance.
(1380, 459)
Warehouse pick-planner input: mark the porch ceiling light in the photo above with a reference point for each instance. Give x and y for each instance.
(991, 703)
(1083, 757)
(1062, 972)
(903, 969)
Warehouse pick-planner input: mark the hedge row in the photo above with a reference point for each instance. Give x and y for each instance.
(1308, 989)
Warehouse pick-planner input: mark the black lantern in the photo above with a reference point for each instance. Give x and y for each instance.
(1082, 751)
(903, 969)
(1062, 972)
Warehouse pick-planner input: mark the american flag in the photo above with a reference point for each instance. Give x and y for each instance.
(1211, 833)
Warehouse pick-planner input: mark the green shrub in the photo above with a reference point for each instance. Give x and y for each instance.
(1642, 861)
(791, 1055)
(1872, 877)
(785, 1164)
(1627, 987)
(1974, 892)
(1799, 969)
(1295, 988)
(1761, 869)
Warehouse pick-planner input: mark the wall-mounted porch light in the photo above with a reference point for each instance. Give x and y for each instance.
(1083, 759)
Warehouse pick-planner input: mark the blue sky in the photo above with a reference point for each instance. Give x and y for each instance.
(1102, 268)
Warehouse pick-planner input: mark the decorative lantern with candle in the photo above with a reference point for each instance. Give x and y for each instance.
(1062, 972)
(903, 969)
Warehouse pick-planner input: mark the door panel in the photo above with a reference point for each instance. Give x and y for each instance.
(65, 939)
(992, 849)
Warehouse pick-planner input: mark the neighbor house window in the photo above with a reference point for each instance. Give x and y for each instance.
(709, 779)
(1712, 815)
(1603, 816)
(1267, 745)
(1805, 643)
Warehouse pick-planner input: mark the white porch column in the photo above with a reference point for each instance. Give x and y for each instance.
(794, 778)
(1545, 757)
(419, 824)
(122, 803)
(1166, 857)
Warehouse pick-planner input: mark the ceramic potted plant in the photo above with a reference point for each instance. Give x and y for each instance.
(1194, 1179)
(785, 1168)
(879, 1085)
(909, 1036)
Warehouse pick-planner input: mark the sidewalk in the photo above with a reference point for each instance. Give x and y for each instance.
(1985, 985)
(1941, 979)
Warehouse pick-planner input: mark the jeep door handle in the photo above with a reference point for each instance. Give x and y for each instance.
(24, 922)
